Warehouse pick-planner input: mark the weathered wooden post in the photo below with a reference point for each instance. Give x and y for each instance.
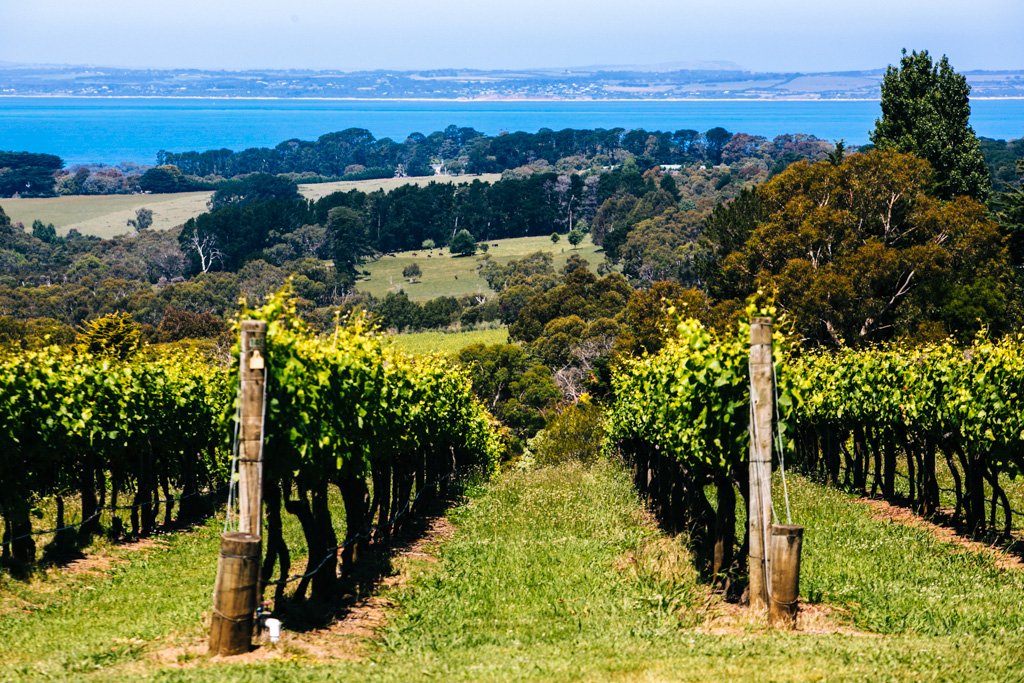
(235, 595)
(250, 437)
(236, 592)
(784, 555)
(759, 499)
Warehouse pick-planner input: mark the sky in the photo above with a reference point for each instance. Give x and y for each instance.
(759, 35)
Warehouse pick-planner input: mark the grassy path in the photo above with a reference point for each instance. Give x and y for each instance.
(556, 575)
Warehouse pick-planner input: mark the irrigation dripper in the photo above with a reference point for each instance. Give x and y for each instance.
(263, 613)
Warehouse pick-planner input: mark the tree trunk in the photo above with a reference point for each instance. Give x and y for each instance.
(725, 529)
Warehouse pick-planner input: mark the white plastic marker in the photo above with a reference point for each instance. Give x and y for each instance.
(274, 628)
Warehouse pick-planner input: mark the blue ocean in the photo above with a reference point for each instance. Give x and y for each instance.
(114, 130)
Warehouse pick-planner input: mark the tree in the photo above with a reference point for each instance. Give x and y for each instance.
(115, 334)
(534, 270)
(44, 231)
(715, 141)
(162, 179)
(412, 272)
(143, 219)
(517, 389)
(926, 111)
(258, 187)
(1009, 210)
(860, 253)
(463, 244)
(575, 237)
(663, 248)
(27, 174)
(395, 311)
(202, 246)
(838, 152)
(181, 324)
(350, 243)
(555, 237)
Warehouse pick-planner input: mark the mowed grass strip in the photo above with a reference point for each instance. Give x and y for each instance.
(122, 605)
(556, 575)
(447, 275)
(70, 622)
(896, 578)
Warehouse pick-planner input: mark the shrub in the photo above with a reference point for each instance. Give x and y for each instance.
(575, 433)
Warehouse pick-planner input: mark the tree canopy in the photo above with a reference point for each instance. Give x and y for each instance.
(859, 252)
(926, 111)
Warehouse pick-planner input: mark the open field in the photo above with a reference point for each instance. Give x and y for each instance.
(447, 275)
(107, 215)
(450, 343)
(555, 574)
(318, 190)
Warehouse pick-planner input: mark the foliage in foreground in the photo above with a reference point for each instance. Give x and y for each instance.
(863, 413)
(681, 417)
(345, 408)
(99, 428)
(680, 420)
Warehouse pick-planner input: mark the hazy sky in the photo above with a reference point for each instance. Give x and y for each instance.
(761, 35)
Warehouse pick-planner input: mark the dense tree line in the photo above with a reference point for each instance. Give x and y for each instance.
(28, 175)
(357, 151)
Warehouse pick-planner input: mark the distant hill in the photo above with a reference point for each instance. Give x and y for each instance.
(700, 80)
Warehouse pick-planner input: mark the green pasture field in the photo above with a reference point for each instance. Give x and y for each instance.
(447, 275)
(551, 574)
(107, 215)
(450, 343)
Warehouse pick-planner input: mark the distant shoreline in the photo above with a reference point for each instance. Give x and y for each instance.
(449, 100)
(466, 100)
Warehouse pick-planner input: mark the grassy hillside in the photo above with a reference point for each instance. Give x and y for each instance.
(555, 574)
(107, 215)
(447, 275)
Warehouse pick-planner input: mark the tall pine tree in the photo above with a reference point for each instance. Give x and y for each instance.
(926, 111)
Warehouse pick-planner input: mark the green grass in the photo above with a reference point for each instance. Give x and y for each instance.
(131, 603)
(447, 275)
(895, 578)
(74, 623)
(423, 343)
(556, 575)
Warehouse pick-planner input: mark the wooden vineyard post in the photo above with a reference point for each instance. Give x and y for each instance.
(235, 595)
(236, 592)
(786, 542)
(250, 437)
(759, 499)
